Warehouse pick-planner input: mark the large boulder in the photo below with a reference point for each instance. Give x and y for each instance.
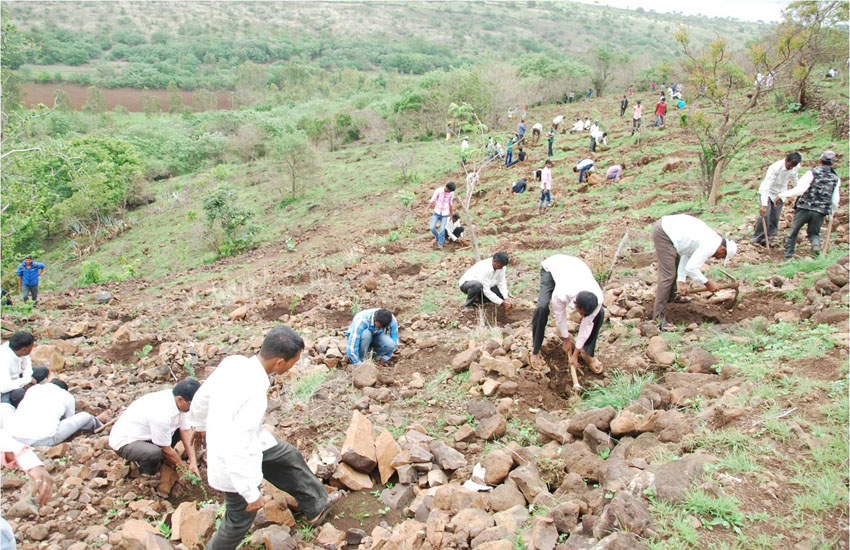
(838, 274)
(626, 513)
(700, 360)
(579, 459)
(505, 497)
(491, 427)
(49, 356)
(497, 465)
(601, 418)
(551, 427)
(386, 449)
(673, 478)
(364, 375)
(358, 450)
(658, 350)
(446, 457)
(528, 481)
(462, 360)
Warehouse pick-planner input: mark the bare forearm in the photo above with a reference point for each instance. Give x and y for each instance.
(171, 457)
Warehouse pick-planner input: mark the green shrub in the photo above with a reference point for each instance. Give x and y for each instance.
(90, 273)
(229, 229)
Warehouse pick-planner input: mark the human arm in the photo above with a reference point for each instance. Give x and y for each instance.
(559, 308)
(586, 327)
(801, 187)
(767, 183)
(503, 288)
(694, 263)
(20, 283)
(15, 453)
(394, 330)
(70, 406)
(40, 269)
(353, 349)
(503, 285)
(187, 436)
(836, 196)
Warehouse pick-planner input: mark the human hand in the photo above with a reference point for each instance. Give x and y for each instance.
(711, 287)
(762, 211)
(43, 484)
(193, 467)
(777, 201)
(681, 288)
(507, 305)
(256, 505)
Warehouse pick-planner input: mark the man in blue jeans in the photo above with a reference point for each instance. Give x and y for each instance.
(372, 329)
(441, 202)
(28, 274)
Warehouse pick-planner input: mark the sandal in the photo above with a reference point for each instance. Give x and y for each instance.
(595, 365)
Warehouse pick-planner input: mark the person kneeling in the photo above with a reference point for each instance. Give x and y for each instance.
(45, 416)
(453, 228)
(373, 330)
(485, 282)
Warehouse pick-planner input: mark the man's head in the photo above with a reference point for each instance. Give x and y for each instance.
(500, 260)
(623, 165)
(638, 102)
(792, 160)
(281, 349)
(726, 250)
(383, 318)
(183, 393)
(456, 216)
(450, 187)
(828, 158)
(548, 163)
(28, 260)
(60, 383)
(21, 343)
(663, 100)
(586, 303)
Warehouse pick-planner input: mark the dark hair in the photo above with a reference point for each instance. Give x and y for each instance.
(281, 341)
(384, 317)
(586, 301)
(794, 157)
(548, 162)
(60, 383)
(20, 340)
(455, 216)
(501, 257)
(623, 165)
(186, 389)
(16, 396)
(450, 186)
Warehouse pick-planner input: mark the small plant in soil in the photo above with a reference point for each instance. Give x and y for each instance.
(144, 352)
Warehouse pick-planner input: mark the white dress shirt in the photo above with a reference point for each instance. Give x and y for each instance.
(153, 417)
(572, 276)
(776, 181)
(7, 411)
(578, 126)
(451, 224)
(230, 406)
(39, 412)
(803, 186)
(695, 243)
(483, 272)
(15, 372)
(546, 179)
(558, 119)
(538, 126)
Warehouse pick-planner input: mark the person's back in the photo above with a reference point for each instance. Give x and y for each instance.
(148, 418)
(39, 412)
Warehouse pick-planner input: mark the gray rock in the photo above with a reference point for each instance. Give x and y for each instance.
(480, 409)
(552, 427)
(674, 478)
(601, 418)
(625, 512)
(446, 457)
(398, 497)
(103, 296)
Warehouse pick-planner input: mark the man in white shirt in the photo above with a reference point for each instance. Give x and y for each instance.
(682, 244)
(453, 228)
(16, 370)
(566, 281)
(780, 174)
(229, 408)
(819, 197)
(577, 127)
(485, 282)
(557, 121)
(545, 188)
(536, 131)
(150, 427)
(584, 166)
(46, 416)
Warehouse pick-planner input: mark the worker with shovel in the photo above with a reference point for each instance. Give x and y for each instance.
(818, 192)
(682, 245)
(780, 174)
(566, 281)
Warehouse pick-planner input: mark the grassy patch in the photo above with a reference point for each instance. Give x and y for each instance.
(620, 390)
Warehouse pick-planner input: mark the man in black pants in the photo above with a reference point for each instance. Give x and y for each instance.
(818, 192)
(485, 282)
(566, 281)
(229, 408)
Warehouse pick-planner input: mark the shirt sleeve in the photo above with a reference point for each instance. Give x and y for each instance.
(836, 195)
(492, 296)
(185, 424)
(200, 408)
(559, 307)
(681, 270)
(21, 454)
(394, 330)
(244, 462)
(70, 406)
(692, 268)
(434, 196)
(26, 374)
(5, 373)
(503, 282)
(354, 343)
(801, 187)
(20, 270)
(586, 327)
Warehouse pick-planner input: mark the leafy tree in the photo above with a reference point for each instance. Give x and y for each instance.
(605, 60)
(204, 100)
(95, 100)
(228, 229)
(12, 56)
(716, 77)
(817, 34)
(293, 152)
(175, 100)
(149, 102)
(61, 100)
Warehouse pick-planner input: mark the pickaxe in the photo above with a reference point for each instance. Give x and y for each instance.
(732, 283)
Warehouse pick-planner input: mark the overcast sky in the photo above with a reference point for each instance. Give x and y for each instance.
(749, 10)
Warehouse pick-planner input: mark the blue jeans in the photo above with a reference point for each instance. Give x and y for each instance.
(545, 198)
(381, 344)
(30, 290)
(550, 148)
(581, 173)
(441, 236)
(659, 120)
(508, 158)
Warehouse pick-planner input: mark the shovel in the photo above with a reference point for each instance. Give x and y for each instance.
(732, 283)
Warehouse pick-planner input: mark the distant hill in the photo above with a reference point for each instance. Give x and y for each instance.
(201, 45)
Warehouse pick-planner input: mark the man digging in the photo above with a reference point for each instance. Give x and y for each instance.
(687, 242)
(780, 175)
(566, 281)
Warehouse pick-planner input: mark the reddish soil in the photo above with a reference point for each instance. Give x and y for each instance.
(129, 98)
(750, 304)
(125, 352)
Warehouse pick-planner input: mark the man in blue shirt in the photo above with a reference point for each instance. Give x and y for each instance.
(375, 329)
(28, 274)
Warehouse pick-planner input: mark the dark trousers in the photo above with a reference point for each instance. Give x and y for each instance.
(550, 148)
(772, 219)
(813, 222)
(541, 314)
(592, 144)
(667, 260)
(458, 231)
(39, 375)
(590, 344)
(283, 467)
(475, 293)
(146, 454)
(622, 111)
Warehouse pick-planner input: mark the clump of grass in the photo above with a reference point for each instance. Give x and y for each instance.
(620, 390)
(713, 511)
(307, 386)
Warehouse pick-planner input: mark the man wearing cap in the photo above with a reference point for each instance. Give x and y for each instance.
(687, 242)
(780, 174)
(818, 192)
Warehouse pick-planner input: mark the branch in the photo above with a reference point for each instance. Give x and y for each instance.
(13, 151)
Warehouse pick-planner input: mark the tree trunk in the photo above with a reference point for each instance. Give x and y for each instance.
(715, 182)
(472, 236)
